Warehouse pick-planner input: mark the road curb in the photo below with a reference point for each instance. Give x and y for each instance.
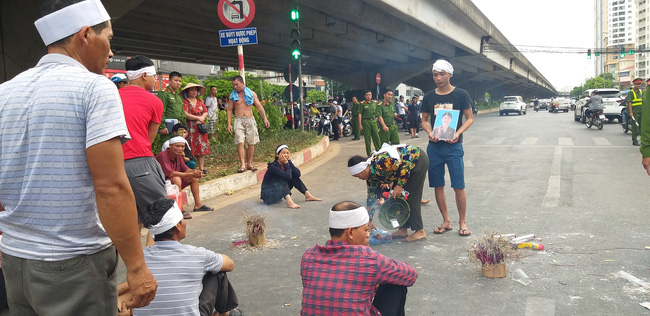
(238, 181)
(487, 111)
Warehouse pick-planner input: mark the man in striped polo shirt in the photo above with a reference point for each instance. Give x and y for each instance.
(67, 199)
(192, 279)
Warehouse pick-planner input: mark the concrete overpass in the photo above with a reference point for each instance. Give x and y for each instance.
(346, 40)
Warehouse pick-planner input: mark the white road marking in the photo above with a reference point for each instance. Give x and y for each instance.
(539, 306)
(553, 190)
(529, 141)
(601, 141)
(565, 141)
(496, 141)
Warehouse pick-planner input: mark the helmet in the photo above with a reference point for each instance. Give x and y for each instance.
(119, 78)
(335, 103)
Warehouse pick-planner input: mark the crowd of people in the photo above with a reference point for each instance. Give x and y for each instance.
(68, 209)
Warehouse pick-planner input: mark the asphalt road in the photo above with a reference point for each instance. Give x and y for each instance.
(583, 192)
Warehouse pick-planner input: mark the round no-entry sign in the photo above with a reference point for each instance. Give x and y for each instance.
(236, 14)
(378, 78)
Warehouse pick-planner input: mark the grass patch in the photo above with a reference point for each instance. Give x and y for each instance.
(224, 160)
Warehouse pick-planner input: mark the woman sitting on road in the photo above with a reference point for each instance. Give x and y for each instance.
(282, 176)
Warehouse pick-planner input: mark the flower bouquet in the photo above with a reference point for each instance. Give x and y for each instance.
(491, 251)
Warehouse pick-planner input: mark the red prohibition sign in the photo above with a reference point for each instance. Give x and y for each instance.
(236, 14)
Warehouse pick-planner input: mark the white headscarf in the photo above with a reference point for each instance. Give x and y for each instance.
(346, 219)
(443, 65)
(169, 220)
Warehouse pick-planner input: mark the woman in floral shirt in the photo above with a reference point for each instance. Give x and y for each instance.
(398, 167)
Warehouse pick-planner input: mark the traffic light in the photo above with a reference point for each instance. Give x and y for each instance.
(589, 53)
(295, 44)
(295, 15)
(622, 54)
(295, 35)
(630, 52)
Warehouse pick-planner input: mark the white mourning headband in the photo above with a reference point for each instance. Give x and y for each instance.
(277, 151)
(169, 220)
(346, 219)
(443, 65)
(358, 168)
(135, 74)
(177, 139)
(69, 20)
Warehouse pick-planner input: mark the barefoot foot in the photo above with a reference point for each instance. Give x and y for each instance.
(425, 202)
(293, 205)
(418, 235)
(400, 233)
(309, 197)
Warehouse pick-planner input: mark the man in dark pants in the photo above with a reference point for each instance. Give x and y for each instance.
(364, 274)
(634, 101)
(334, 112)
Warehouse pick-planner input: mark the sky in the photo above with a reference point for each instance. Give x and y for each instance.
(549, 23)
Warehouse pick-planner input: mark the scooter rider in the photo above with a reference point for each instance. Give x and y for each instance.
(536, 104)
(594, 104)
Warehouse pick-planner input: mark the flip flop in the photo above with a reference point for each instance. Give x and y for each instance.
(186, 215)
(252, 169)
(464, 232)
(442, 230)
(241, 170)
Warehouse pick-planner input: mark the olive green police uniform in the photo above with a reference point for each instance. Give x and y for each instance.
(369, 124)
(386, 110)
(636, 98)
(172, 109)
(356, 110)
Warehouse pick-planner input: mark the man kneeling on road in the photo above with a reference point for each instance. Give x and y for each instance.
(192, 279)
(175, 170)
(357, 273)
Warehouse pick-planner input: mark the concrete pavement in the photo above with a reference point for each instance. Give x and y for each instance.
(540, 173)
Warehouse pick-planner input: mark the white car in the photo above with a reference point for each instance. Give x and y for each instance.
(612, 108)
(512, 104)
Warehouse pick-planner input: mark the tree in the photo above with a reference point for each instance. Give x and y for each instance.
(335, 87)
(316, 95)
(577, 91)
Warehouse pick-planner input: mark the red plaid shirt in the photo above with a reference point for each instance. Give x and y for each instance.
(341, 279)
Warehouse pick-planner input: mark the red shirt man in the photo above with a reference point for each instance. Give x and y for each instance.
(143, 112)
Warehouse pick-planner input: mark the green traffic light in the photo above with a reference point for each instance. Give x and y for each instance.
(630, 52)
(622, 55)
(295, 15)
(295, 53)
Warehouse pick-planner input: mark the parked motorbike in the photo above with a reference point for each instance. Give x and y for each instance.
(596, 119)
(325, 125)
(347, 126)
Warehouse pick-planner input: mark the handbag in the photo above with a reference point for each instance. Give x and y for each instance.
(202, 128)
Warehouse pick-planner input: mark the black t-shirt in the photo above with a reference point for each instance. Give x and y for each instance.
(458, 98)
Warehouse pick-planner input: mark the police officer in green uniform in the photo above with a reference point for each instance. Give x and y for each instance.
(388, 131)
(634, 109)
(172, 104)
(356, 110)
(368, 122)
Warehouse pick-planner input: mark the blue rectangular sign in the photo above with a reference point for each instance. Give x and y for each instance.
(234, 37)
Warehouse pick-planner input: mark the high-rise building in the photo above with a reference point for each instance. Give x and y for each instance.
(600, 35)
(616, 29)
(643, 39)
